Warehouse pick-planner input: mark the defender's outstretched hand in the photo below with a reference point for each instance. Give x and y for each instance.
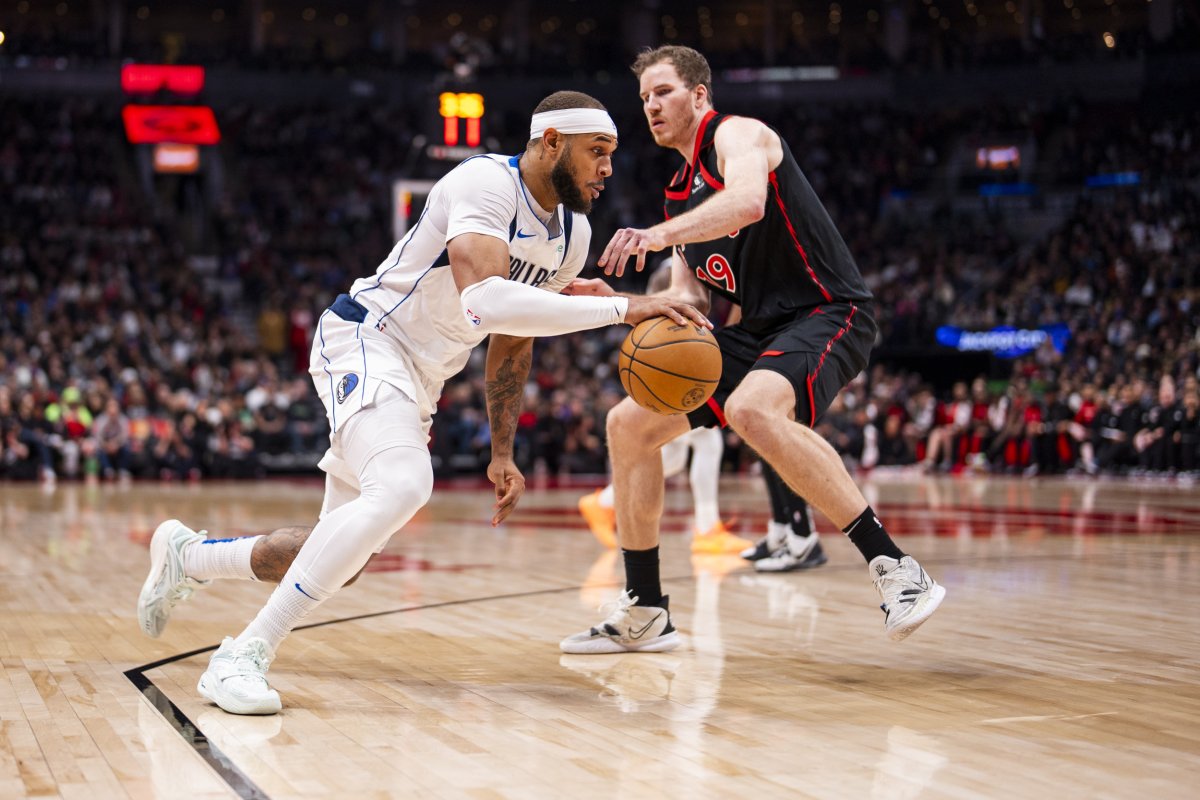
(628, 242)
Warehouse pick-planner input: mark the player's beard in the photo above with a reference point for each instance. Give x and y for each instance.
(566, 186)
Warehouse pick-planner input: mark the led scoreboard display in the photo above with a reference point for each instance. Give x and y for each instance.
(458, 110)
(461, 115)
(176, 131)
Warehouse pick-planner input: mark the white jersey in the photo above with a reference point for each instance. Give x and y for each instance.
(410, 307)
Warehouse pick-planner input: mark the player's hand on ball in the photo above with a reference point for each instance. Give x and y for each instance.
(643, 307)
(628, 242)
(510, 485)
(590, 287)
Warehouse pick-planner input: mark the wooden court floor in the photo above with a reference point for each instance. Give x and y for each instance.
(1065, 662)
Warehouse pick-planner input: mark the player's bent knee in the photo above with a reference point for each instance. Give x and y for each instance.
(412, 480)
(631, 427)
(762, 402)
(410, 492)
(399, 482)
(751, 420)
(626, 421)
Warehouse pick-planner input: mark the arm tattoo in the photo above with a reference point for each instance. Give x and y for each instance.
(504, 392)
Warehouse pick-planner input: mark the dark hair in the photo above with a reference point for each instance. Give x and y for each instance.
(689, 63)
(560, 101)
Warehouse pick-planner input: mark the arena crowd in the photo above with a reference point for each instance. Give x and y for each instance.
(121, 357)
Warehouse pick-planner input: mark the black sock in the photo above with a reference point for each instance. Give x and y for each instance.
(801, 522)
(779, 492)
(870, 538)
(641, 576)
(787, 507)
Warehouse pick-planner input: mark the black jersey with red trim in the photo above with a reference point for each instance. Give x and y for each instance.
(790, 260)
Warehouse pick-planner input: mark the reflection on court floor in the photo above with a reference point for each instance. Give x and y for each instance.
(1063, 662)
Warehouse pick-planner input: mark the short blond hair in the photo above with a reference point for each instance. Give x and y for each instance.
(690, 64)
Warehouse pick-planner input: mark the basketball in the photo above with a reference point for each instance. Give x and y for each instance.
(669, 368)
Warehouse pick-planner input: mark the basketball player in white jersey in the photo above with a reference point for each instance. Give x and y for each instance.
(499, 238)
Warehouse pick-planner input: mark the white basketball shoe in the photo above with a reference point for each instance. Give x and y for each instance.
(627, 628)
(763, 548)
(909, 595)
(166, 586)
(797, 553)
(236, 678)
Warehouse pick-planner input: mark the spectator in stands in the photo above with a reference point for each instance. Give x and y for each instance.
(1158, 424)
(1082, 428)
(1051, 445)
(111, 432)
(1187, 434)
(952, 419)
(69, 424)
(1118, 424)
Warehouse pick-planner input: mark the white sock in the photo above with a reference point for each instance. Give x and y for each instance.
(675, 455)
(395, 483)
(606, 497)
(799, 545)
(777, 534)
(707, 515)
(220, 558)
(870, 451)
(705, 474)
(287, 607)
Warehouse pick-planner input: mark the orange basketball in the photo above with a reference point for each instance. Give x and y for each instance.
(669, 368)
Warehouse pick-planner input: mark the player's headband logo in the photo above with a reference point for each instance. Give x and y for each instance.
(572, 120)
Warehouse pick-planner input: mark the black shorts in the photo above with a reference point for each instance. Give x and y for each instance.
(819, 353)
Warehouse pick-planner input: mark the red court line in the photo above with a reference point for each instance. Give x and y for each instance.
(906, 519)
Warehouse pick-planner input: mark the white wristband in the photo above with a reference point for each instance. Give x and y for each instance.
(496, 305)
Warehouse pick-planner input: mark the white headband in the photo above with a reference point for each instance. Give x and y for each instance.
(572, 120)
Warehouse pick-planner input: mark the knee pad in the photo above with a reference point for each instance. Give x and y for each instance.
(396, 483)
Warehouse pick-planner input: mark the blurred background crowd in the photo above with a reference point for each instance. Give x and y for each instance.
(158, 326)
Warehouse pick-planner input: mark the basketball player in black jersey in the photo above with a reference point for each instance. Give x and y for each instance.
(745, 223)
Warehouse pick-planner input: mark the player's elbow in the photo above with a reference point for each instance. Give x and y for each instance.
(747, 204)
(481, 309)
(753, 208)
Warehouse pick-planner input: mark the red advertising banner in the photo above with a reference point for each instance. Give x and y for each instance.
(178, 124)
(150, 78)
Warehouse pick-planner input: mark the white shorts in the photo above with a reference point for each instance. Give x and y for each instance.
(355, 369)
(349, 362)
(392, 420)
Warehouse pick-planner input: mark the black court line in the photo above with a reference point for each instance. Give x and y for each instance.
(241, 784)
(237, 780)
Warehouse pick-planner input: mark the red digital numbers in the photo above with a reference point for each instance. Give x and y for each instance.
(716, 270)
